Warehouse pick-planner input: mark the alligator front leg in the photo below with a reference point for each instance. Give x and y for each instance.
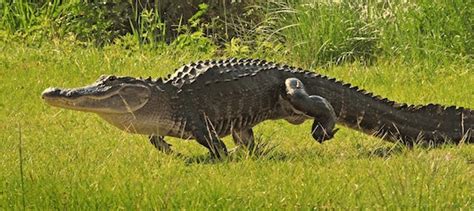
(160, 144)
(206, 136)
(313, 106)
(244, 138)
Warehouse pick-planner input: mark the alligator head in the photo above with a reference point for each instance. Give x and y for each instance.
(109, 94)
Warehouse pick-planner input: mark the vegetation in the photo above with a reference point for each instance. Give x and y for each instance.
(412, 31)
(415, 52)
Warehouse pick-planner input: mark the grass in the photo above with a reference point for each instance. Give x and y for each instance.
(415, 52)
(338, 31)
(77, 161)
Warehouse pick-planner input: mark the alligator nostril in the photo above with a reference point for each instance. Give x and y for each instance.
(50, 92)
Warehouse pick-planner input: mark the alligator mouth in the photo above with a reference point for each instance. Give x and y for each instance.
(72, 98)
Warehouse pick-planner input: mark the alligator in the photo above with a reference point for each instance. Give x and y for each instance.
(207, 100)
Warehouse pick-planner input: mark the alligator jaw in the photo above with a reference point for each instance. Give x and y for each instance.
(54, 97)
(120, 98)
(75, 98)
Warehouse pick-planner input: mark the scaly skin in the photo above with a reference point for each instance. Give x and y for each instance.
(212, 99)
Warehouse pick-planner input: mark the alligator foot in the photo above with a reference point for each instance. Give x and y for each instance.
(160, 144)
(313, 106)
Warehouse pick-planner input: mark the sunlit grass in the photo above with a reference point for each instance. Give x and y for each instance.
(324, 32)
(75, 160)
(415, 52)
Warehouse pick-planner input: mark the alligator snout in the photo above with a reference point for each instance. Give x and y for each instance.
(57, 92)
(50, 92)
(63, 93)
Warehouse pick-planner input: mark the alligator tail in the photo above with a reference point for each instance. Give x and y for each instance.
(361, 110)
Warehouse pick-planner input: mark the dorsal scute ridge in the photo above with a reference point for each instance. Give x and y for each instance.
(232, 60)
(189, 72)
(347, 85)
(402, 106)
(149, 80)
(355, 88)
(431, 107)
(437, 108)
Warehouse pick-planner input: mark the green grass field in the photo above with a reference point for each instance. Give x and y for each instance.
(75, 160)
(52, 158)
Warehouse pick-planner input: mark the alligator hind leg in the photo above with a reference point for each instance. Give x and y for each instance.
(324, 121)
(244, 138)
(314, 106)
(160, 144)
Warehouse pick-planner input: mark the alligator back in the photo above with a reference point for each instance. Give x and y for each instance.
(243, 92)
(233, 93)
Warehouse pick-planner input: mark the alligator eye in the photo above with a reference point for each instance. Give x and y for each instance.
(112, 78)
